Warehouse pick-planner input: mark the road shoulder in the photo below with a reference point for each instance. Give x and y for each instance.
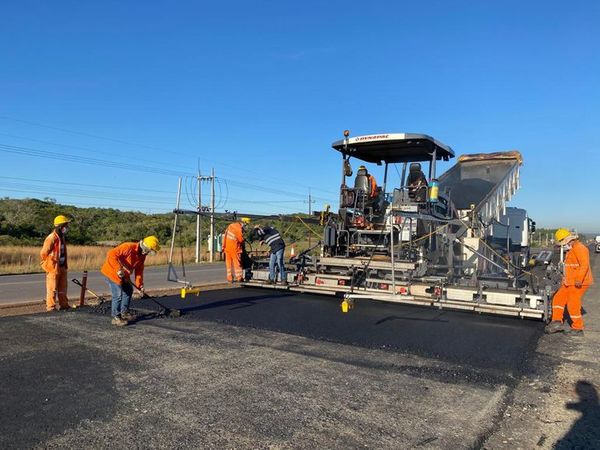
(556, 404)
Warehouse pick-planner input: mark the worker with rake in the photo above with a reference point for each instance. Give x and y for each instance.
(121, 262)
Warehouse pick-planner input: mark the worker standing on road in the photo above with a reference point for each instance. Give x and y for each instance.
(576, 280)
(233, 242)
(121, 262)
(271, 237)
(54, 263)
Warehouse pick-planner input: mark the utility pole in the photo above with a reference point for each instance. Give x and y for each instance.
(198, 229)
(310, 202)
(212, 215)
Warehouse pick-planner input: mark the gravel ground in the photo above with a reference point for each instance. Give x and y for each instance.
(556, 402)
(246, 368)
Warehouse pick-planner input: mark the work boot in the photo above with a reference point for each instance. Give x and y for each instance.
(128, 316)
(118, 321)
(574, 332)
(270, 282)
(50, 310)
(284, 283)
(554, 327)
(64, 308)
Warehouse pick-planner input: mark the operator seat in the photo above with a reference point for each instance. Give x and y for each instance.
(362, 182)
(417, 183)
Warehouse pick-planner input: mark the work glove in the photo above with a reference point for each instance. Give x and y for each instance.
(121, 273)
(578, 284)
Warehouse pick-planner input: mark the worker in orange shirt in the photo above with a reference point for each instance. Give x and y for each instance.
(54, 263)
(576, 280)
(121, 262)
(233, 241)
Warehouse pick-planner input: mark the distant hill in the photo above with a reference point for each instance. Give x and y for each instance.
(28, 222)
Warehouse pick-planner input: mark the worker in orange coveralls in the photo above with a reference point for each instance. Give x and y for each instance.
(577, 279)
(121, 262)
(233, 241)
(54, 263)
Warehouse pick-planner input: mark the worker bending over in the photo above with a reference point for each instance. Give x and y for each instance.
(576, 280)
(233, 246)
(271, 237)
(54, 263)
(121, 262)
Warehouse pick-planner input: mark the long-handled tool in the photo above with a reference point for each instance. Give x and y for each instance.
(78, 283)
(163, 309)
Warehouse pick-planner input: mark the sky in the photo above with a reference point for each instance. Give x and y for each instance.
(108, 103)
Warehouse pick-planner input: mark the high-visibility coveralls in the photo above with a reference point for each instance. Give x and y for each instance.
(54, 263)
(373, 185)
(233, 240)
(577, 273)
(129, 257)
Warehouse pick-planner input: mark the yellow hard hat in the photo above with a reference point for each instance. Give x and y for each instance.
(150, 244)
(562, 236)
(61, 220)
(246, 220)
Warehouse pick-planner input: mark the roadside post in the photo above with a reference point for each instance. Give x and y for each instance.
(83, 288)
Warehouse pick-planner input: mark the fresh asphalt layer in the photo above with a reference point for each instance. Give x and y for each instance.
(252, 368)
(455, 337)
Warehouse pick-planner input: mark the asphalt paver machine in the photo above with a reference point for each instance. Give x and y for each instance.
(428, 241)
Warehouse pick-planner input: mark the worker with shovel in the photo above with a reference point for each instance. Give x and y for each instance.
(54, 263)
(121, 262)
(233, 242)
(577, 279)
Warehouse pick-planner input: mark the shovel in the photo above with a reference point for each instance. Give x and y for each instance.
(163, 311)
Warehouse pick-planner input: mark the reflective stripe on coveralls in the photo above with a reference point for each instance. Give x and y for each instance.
(569, 296)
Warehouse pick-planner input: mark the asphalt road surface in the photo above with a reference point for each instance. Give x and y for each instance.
(251, 368)
(15, 289)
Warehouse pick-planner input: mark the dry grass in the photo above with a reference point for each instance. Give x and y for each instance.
(26, 259)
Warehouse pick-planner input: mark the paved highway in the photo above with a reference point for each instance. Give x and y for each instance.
(15, 289)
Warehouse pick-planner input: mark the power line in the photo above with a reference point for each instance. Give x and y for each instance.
(83, 195)
(32, 152)
(286, 182)
(119, 188)
(80, 133)
(74, 147)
